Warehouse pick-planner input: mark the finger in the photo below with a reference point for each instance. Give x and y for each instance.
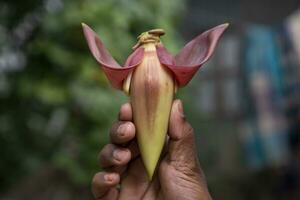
(181, 146)
(178, 126)
(112, 155)
(125, 112)
(106, 155)
(122, 132)
(103, 185)
(181, 162)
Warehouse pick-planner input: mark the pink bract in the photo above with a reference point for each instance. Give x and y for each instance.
(183, 66)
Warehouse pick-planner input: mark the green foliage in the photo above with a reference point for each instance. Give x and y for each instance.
(58, 109)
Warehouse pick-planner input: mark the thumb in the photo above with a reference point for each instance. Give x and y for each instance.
(181, 145)
(180, 171)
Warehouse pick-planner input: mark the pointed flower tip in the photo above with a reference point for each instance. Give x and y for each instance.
(226, 25)
(218, 31)
(86, 28)
(150, 173)
(150, 178)
(83, 25)
(222, 27)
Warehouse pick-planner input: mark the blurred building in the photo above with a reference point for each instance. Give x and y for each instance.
(250, 88)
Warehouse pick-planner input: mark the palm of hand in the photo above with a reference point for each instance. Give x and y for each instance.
(135, 184)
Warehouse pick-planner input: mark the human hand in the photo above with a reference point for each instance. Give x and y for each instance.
(178, 176)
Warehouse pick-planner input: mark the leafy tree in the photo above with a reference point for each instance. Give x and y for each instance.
(56, 105)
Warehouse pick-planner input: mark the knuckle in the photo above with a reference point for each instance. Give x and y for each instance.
(105, 153)
(96, 179)
(101, 158)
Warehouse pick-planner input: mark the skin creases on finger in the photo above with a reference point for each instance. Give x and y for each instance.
(122, 132)
(112, 155)
(120, 168)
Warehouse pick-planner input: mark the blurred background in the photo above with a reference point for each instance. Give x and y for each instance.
(56, 106)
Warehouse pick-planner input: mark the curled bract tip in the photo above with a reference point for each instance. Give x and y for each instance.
(192, 56)
(115, 73)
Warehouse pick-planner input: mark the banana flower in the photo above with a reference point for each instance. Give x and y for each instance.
(151, 76)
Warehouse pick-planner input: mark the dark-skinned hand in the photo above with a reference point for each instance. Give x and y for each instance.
(178, 174)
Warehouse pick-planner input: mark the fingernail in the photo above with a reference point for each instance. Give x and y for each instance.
(119, 154)
(122, 130)
(109, 177)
